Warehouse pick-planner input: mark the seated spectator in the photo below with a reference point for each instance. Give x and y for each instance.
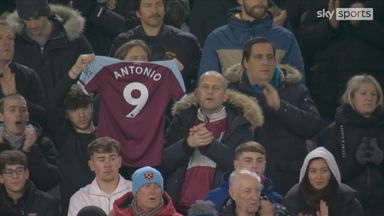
(202, 208)
(105, 161)
(147, 197)
(320, 191)
(246, 199)
(17, 78)
(356, 140)
(18, 195)
(17, 134)
(252, 156)
(207, 126)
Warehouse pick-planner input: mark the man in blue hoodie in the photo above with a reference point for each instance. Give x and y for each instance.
(249, 155)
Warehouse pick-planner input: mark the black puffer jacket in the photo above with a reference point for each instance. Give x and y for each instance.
(347, 133)
(53, 60)
(284, 131)
(33, 202)
(243, 115)
(348, 206)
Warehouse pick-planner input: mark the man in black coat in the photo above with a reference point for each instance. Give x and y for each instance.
(17, 78)
(207, 126)
(289, 112)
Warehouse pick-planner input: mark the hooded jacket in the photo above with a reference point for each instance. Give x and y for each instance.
(243, 115)
(344, 198)
(93, 195)
(224, 46)
(347, 133)
(55, 58)
(284, 131)
(121, 206)
(33, 202)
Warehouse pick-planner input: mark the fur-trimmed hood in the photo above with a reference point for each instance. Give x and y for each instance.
(249, 106)
(291, 75)
(72, 20)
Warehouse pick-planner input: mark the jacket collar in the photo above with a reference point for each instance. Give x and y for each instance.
(73, 23)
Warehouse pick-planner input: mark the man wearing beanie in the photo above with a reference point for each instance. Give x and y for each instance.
(48, 39)
(147, 198)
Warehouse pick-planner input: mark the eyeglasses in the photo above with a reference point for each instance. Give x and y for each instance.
(9, 172)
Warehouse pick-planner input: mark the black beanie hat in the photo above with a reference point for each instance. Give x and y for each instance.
(32, 8)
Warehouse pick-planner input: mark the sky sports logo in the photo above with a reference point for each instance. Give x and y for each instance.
(347, 14)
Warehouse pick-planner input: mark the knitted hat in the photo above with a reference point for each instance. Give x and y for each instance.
(32, 8)
(146, 175)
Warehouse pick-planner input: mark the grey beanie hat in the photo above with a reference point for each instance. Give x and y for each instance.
(32, 8)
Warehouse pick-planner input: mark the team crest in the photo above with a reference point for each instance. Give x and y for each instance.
(148, 176)
(111, 4)
(170, 55)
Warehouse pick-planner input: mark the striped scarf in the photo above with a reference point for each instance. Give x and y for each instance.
(137, 211)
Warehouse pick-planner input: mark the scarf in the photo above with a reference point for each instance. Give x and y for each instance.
(137, 211)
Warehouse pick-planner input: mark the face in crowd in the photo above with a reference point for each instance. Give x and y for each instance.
(15, 115)
(245, 191)
(253, 161)
(106, 165)
(151, 13)
(253, 9)
(6, 44)
(211, 92)
(14, 177)
(319, 174)
(260, 65)
(365, 99)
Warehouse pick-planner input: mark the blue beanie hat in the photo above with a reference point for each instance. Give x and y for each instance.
(146, 175)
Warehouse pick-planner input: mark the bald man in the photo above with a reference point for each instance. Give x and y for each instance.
(207, 125)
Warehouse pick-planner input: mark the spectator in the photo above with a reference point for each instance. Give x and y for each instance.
(17, 78)
(289, 112)
(19, 196)
(203, 208)
(356, 139)
(48, 39)
(336, 50)
(17, 134)
(147, 197)
(91, 211)
(223, 46)
(166, 42)
(252, 156)
(320, 191)
(208, 124)
(244, 189)
(128, 118)
(134, 50)
(105, 161)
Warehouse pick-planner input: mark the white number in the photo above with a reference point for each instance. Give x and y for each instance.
(138, 102)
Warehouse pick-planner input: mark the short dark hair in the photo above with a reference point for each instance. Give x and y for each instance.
(250, 146)
(12, 157)
(77, 98)
(103, 145)
(138, 2)
(248, 47)
(124, 49)
(11, 96)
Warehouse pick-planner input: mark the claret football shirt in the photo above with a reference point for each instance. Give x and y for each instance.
(134, 99)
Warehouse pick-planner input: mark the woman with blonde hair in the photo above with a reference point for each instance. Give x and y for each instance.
(356, 139)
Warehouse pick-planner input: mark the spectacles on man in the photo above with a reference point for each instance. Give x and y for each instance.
(9, 172)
